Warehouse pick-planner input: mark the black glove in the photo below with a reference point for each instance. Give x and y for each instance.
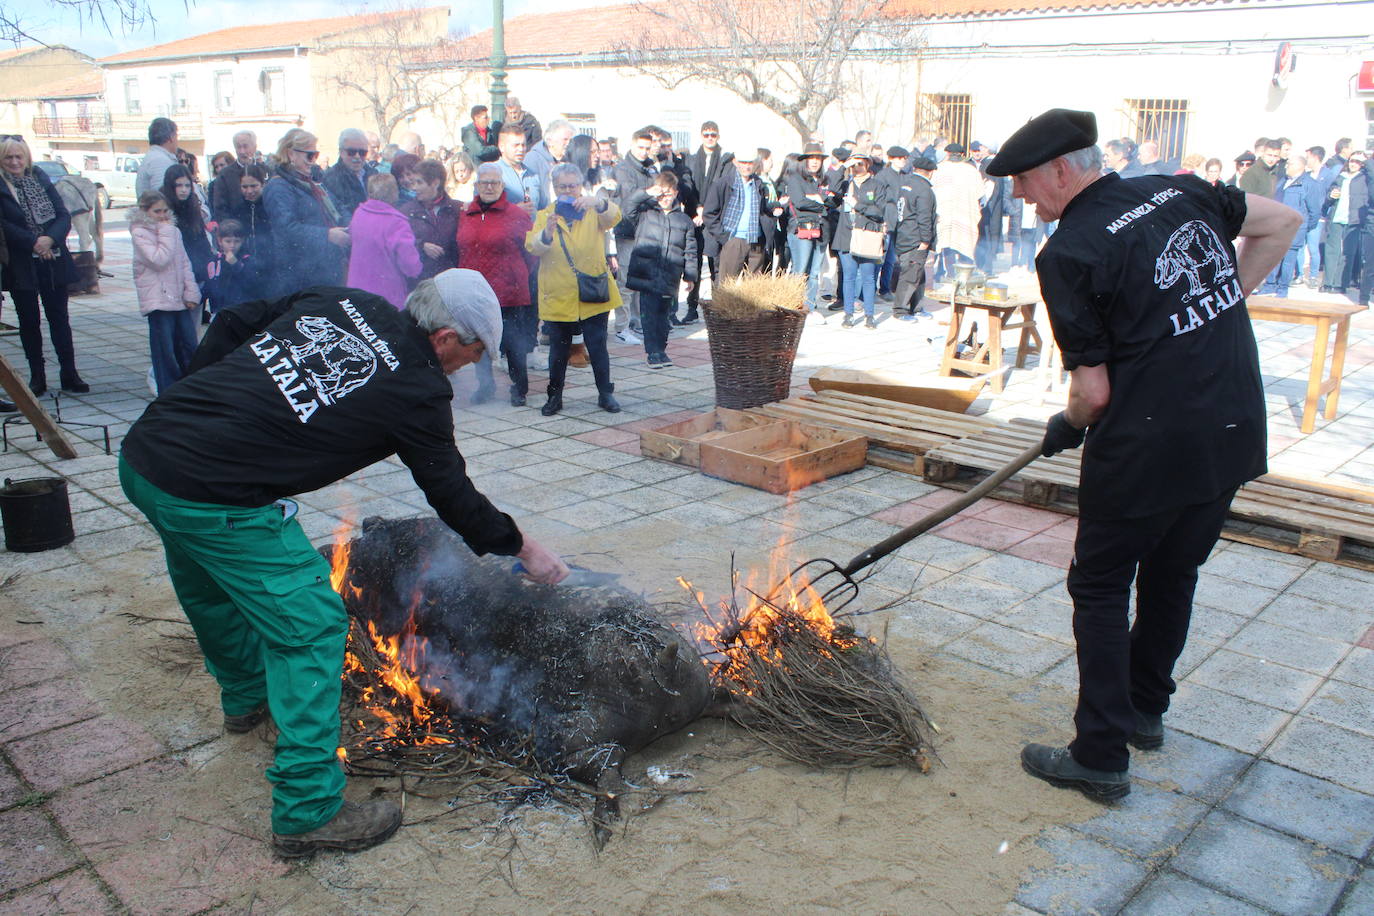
(1060, 434)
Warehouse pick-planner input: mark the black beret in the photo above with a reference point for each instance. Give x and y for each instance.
(1048, 136)
(840, 153)
(1246, 156)
(956, 148)
(897, 152)
(924, 164)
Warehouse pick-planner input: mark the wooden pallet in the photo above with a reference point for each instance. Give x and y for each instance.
(898, 434)
(1303, 516)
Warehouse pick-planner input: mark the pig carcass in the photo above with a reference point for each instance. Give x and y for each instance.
(588, 675)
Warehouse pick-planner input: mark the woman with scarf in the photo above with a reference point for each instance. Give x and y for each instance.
(311, 247)
(179, 188)
(36, 223)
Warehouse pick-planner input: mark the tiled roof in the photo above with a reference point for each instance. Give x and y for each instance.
(82, 86)
(11, 53)
(600, 29)
(240, 39)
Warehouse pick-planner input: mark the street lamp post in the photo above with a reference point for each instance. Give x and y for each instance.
(498, 61)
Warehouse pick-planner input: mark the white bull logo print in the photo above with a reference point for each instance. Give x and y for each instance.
(336, 361)
(1193, 247)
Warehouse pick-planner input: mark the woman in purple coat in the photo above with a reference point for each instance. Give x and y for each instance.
(384, 257)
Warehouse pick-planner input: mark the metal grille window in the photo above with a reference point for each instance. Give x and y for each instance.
(948, 115)
(1163, 120)
(224, 91)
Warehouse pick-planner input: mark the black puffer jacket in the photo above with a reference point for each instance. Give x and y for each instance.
(665, 248)
(631, 176)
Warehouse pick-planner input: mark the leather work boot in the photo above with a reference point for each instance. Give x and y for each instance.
(242, 725)
(357, 826)
(1058, 768)
(1149, 732)
(555, 402)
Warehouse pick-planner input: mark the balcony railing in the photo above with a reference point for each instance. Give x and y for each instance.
(126, 127)
(95, 124)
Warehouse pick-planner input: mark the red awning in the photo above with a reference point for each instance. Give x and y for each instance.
(1366, 80)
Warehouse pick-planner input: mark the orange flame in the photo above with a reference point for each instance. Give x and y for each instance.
(395, 694)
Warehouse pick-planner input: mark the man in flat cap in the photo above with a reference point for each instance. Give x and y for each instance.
(1145, 291)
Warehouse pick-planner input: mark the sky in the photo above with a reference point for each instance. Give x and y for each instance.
(180, 18)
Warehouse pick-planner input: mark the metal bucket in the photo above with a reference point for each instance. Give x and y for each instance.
(36, 514)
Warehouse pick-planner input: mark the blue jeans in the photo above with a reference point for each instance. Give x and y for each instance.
(861, 271)
(519, 324)
(653, 318)
(887, 274)
(171, 343)
(1311, 251)
(808, 257)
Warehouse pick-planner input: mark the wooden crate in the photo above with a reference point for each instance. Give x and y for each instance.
(681, 442)
(783, 457)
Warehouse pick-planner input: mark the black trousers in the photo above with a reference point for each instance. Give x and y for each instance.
(911, 280)
(694, 294)
(518, 326)
(1123, 669)
(653, 317)
(593, 331)
(1366, 266)
(52, 291)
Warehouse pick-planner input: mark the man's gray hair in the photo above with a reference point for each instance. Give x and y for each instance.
(352, 133)
(246, 133)
(427, 307)
(566, 170)
(559, 124)
(1087, 159)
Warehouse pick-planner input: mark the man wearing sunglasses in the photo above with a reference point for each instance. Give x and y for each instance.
(346, 179)
(705, 165)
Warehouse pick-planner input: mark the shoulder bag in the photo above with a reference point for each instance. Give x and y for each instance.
(591, 290)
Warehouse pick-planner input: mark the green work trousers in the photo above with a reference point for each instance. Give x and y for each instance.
(272, 629)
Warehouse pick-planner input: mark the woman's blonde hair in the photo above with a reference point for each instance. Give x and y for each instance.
(7, 145)
(295, 138)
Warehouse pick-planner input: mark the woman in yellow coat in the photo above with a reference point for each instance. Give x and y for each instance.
(573, 232)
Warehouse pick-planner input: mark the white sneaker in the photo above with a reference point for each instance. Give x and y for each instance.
(629, 337)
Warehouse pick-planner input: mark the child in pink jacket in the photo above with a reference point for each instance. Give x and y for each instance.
(167, 290)
(384, 254)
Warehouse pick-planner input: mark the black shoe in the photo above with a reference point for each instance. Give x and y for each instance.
(834, 307)
(849, 322)
(691, 317)
(607, 402)
(242, 725)
(38, 384)
(870, 323)
(357, 826)
(553, 405)
(483, 394)
(74, 384)
(675, 321)
(1058, 768)
(517, 399)
(1149, 732)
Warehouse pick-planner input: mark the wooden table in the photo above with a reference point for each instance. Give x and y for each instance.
(1323, 316)
(987, 359)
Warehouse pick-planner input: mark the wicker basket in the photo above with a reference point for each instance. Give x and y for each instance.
(752, 357)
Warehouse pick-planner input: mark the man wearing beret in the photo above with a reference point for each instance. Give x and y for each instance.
(913, 239)
(1145, 290)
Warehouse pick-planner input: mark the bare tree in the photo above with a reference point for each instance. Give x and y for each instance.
(16, 27)
(379, 66)
(794, 59)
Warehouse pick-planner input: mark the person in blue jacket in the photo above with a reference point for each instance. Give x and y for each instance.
(307, 231)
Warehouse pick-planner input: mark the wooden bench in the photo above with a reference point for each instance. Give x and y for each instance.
(1323, 316)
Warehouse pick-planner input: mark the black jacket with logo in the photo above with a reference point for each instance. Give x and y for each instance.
(1141, 276)
(914, 214)
(290, 396)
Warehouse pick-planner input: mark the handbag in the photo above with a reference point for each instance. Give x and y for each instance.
(591, 290)
(867, 243)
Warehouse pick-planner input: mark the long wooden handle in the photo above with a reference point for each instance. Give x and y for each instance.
(891, 543)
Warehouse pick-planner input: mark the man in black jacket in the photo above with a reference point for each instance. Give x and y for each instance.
(634, 173)
(913, 239)
(894, 177)
(705, 165)
(346, 180)
(735, 207)
(479, 137)
(286, 397)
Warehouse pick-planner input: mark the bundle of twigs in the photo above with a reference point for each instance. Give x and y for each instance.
(815, 694)
(750, 293)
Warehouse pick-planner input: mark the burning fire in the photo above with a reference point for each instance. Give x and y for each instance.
(775, 600)
(387, 669)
